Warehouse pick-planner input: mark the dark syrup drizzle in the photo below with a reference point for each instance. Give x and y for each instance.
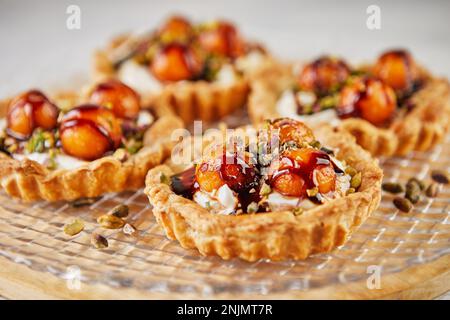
(184, 183)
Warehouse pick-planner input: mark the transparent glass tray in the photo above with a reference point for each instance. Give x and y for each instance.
(33, 235)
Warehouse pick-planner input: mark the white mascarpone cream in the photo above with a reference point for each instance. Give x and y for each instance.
(226, 76)
(139, 78)
(251, 61)
(287, 107)
(63, 161)
(221, 201)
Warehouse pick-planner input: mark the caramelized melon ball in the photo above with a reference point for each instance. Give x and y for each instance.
(398, 69)
(101, 117)
(29, 111)
(176, 28)
(370, 99)
(84, 139)
(292, 130)
(118, 97)
(300, 169)
(222, 38)
(324, 177)
(289, 184)
(323, 75)
(176, 62)
(227, 169)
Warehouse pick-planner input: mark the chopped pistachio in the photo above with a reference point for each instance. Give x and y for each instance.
(121, 154)
(432, 190)
(108, 221)
(315, 144)
(412, 192)
(74, 228)
(99, 241)
(402, 204)
(350, 190)
(312, 192)
(351, 171)
(164, 179)
(418, 182)
(440, 176)
(252, 207)
(297, 211)
(265, 190)
(120, 211)
(356, 180)
(84, 202)
(392, 187)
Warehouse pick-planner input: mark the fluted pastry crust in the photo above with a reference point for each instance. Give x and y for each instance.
(191, 100)
(273, 235)
(420, 129)
(29, 180)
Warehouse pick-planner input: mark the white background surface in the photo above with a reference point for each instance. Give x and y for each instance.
(37, 50)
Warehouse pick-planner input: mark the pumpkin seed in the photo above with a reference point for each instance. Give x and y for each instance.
(120, 211)
(356, 181)
(402, 204)
(73, 228)
(108, 221)
(432, 190)
(412, 192)
(440, 176)
(392, 187)
(99, 241)
(128, 229)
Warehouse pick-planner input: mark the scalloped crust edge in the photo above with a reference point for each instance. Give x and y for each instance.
(419, 130)
(273, 235)
(30, 181)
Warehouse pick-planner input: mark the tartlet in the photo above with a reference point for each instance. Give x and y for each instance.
(200, 71)
(80, 145)
(392, 107)
(289, 204)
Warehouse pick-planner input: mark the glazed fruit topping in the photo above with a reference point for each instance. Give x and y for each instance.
(176, 28)
(121, 99)
(299, 170)
(89, 131)
(368, 98)
(176, 62)
(230, 169)
(222, 38)
(323, 75)
(290, 130)
(29, 111)
(398, 69)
